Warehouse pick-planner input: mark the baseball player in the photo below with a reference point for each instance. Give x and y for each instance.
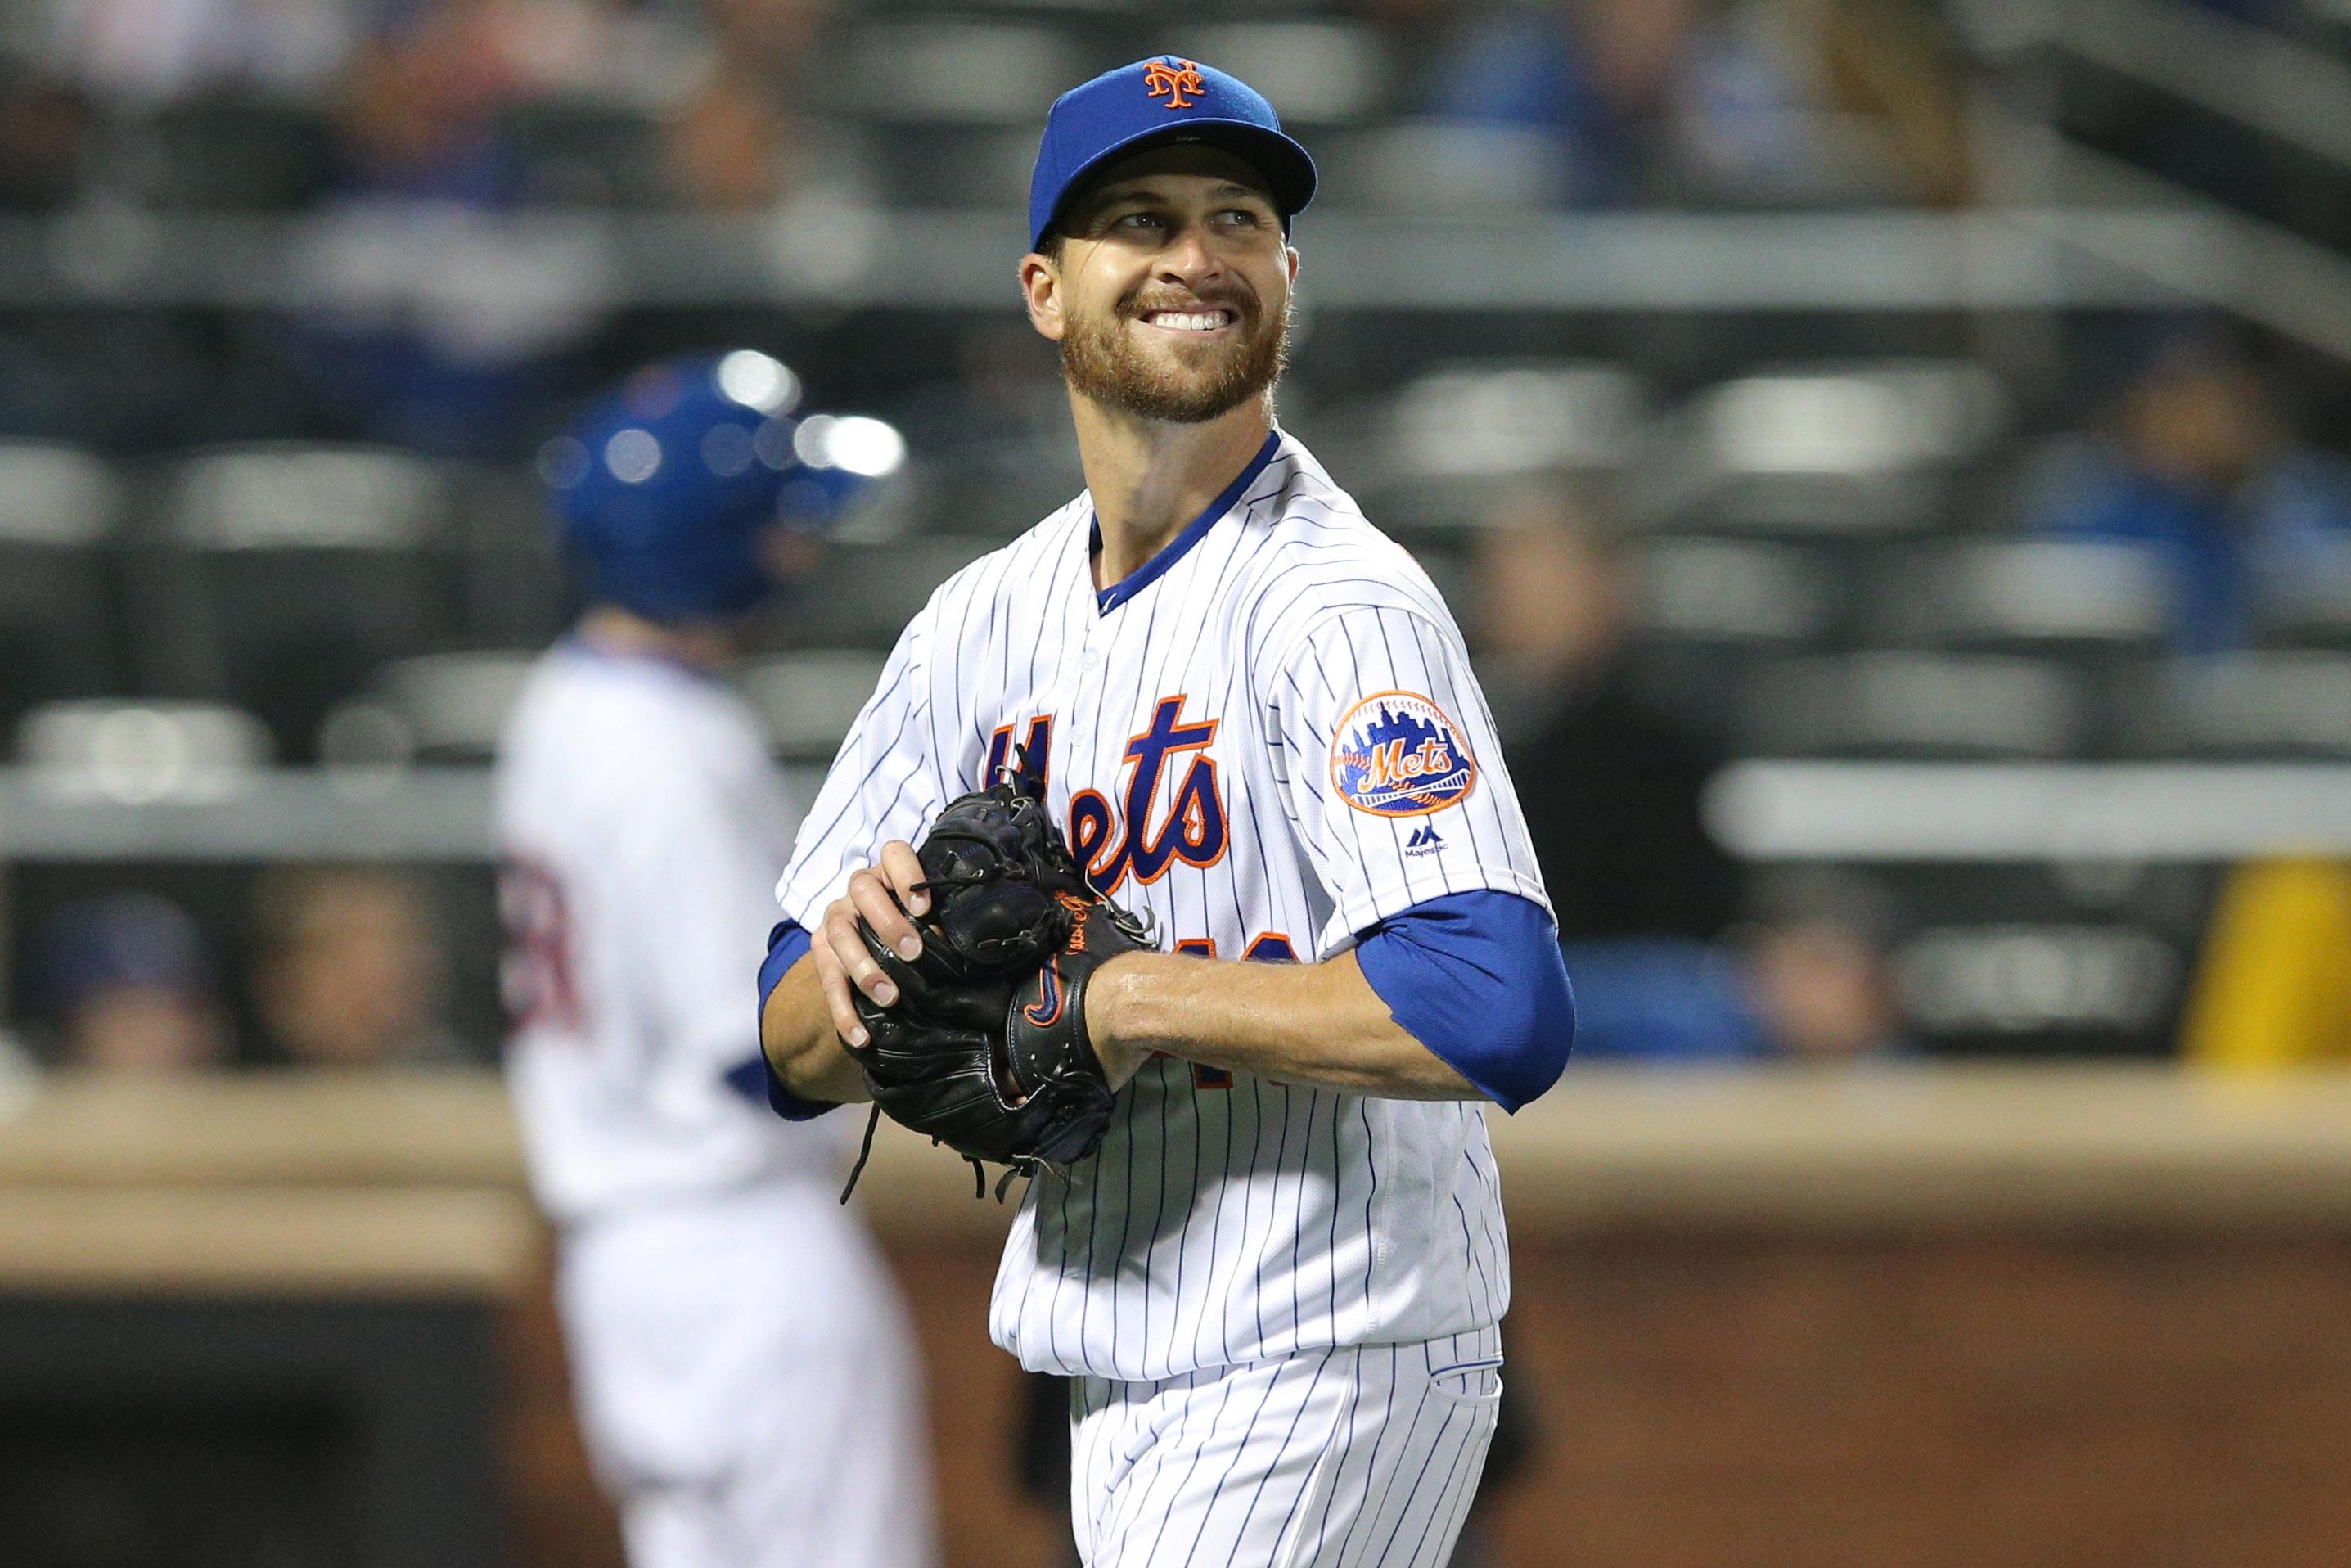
(1277, 1282)
(744, 1373)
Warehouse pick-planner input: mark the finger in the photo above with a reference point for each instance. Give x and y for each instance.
(855, 958)
(873, 900)
(904, 870)
(845, 1021)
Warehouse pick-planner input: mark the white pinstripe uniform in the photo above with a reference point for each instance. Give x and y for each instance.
(1279, 1302)
(744, 1373)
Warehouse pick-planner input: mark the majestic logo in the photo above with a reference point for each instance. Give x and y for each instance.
(1398, 755)
(1171, 79)
(1424, 841)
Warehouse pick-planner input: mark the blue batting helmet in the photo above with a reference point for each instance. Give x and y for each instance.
(665, 487)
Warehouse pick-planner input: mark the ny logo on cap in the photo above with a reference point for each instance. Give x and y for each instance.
(1171, 79)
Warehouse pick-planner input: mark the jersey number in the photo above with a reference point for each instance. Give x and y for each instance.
(535, 973)
(1266, 947)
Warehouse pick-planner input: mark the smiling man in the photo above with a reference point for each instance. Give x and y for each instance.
(1278, 1283)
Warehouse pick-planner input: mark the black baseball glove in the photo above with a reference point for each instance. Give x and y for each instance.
(986, 1048)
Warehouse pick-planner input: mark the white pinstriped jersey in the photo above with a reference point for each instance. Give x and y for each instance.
(639, 821)
(1268, 736)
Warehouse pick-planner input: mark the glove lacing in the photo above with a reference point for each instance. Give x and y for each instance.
(1027, 1166)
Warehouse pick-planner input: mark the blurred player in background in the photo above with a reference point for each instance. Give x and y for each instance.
(745, 1377)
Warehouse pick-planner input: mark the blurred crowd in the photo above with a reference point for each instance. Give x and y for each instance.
(1624, 102)
(335, 967)
(418, 133)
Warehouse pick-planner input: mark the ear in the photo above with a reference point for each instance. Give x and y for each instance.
(1040, 289)
(1292, 252)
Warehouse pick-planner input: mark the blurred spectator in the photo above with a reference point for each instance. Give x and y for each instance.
(347, 971)
(1737, 101)
(448, 323)
(1808, 979)
(1817, 968)
(2198, 465)
(157, 50)
(1611, 788)
(730, 141)
(418, 104)
(131, 986)
(44, 131)
(1610, 785)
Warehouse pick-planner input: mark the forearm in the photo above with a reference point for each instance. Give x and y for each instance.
(1318, 1024)
(795, 1032)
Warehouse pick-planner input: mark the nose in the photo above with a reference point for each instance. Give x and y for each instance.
(1190, 257)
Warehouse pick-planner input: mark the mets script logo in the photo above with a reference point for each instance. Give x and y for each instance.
(1146, 828)
(1397, 755)
(1171, 79)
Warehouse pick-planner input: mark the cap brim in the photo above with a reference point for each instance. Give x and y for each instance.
(1289, 172)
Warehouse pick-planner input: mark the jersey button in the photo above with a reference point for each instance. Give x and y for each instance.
(1093, 658)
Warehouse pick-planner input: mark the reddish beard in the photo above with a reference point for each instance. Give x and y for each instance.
(1101, 359)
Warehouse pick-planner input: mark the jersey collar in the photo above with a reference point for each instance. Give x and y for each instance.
(1109, 599)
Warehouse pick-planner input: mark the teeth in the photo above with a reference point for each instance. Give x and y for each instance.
(1193, 321)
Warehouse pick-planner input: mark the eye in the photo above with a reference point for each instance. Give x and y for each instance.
(1140, 220)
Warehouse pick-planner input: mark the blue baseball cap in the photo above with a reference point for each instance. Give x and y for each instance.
(666, 488)
(1161, 100)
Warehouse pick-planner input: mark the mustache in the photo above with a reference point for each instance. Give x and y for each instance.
(1240, 298)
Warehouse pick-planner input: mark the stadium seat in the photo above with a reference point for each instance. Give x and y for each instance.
(2040, 987)
(516, 593)
(1437, 456)
(2262, 704)
(862, 595)
(933, 165)
(136, 752)
(1539, 416)
(1708, 612)
(1922, 705)
(221, 154)
(1316, 72)
(1733, 592)
(1442, 166)
(1833, 450)
(810, 700)
(588, 152)
(961, 72)
(452, 704)
(2037, 595)
(296, 571)
(2310, 610)
(57, 509)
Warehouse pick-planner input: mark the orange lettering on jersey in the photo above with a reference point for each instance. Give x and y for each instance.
(1171, 79)
(1391, 764)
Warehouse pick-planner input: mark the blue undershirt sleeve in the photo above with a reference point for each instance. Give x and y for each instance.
(1477, 979)
(788, 944)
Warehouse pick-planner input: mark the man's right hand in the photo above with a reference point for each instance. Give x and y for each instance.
(884, 895)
